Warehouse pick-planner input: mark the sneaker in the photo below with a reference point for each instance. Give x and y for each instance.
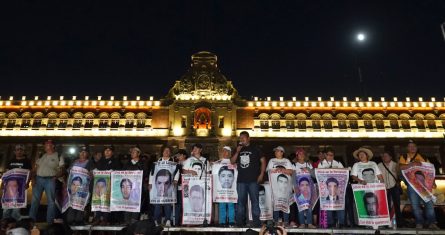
(311, 226)
(168, 223)
(433, 227)
(302, 226)
(419, 226)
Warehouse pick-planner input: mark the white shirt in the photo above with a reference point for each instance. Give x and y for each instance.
(300, 166)
(359, 167)
(284, 162)
(389, 180)
(333, 164)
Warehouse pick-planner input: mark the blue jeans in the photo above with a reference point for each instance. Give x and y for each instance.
(167, 212)
(11, 213)
(415, 203)
(226, 210)
(340, 217)
(46, 184)
(251, 189)
(308, 214)
(276, 215)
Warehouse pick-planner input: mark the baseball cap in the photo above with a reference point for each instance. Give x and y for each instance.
(227, 148)
(279, 148)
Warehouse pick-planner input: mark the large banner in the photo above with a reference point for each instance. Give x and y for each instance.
(194, 199)
(281, 185)
(421, 178)
(306, 193)
(224, 182)
(78, 188)
(162, 189)
(332, 188)
(100, 200)
(14, 188)
(126, 188)
(371, 204)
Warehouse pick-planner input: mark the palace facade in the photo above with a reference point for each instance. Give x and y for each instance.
(204, 106)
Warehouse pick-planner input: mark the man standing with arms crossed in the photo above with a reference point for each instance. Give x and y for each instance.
(251, 168)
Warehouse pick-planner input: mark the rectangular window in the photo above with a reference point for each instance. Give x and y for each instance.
(184, 122)
(89, 124)
(431, 124)
(405, 125)
(301, 124)
(394, 124)
(353, 124)
(342, 125)
(276, 125)
(327, 124)
(62, 124)
(380, 125)
(140, 123)
(129, 124)
(316, 125)
(114, 124)
(26, 123)
(36, 124)
(221, 122)
(420, 124)
(103, 124)
(290, 124)
(264, 124)
(51, 124)
(368, 125)
(77, 124)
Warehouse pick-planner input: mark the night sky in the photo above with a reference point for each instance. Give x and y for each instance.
(267, 48)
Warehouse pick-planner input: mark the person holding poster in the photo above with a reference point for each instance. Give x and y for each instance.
(406, 161)
(365, 171)
(197, 206)
(77, 198)
(305, 185)
(130, 192)
(280, 172)
(106, 163)
(251, 166)
(224, 176)
(391, 175)
(162, 194)
(180, 157)
(332, 185)
(19, 161)
(196, 162)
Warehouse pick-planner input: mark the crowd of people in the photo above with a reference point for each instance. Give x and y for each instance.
(49, 175)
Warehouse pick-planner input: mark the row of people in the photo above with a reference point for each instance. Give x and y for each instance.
(252, 168)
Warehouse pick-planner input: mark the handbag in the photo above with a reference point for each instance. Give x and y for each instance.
(398, 186)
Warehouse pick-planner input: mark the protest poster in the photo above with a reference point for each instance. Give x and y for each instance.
(14, 188)
(100, 200)
(306, 192)
(78, 188)
(332, 184)
(224, 182)
(264, 201)
(163, 190)
(421, 179)
(371, 204)
(197, 202)
(281, 185)
(126, 188)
